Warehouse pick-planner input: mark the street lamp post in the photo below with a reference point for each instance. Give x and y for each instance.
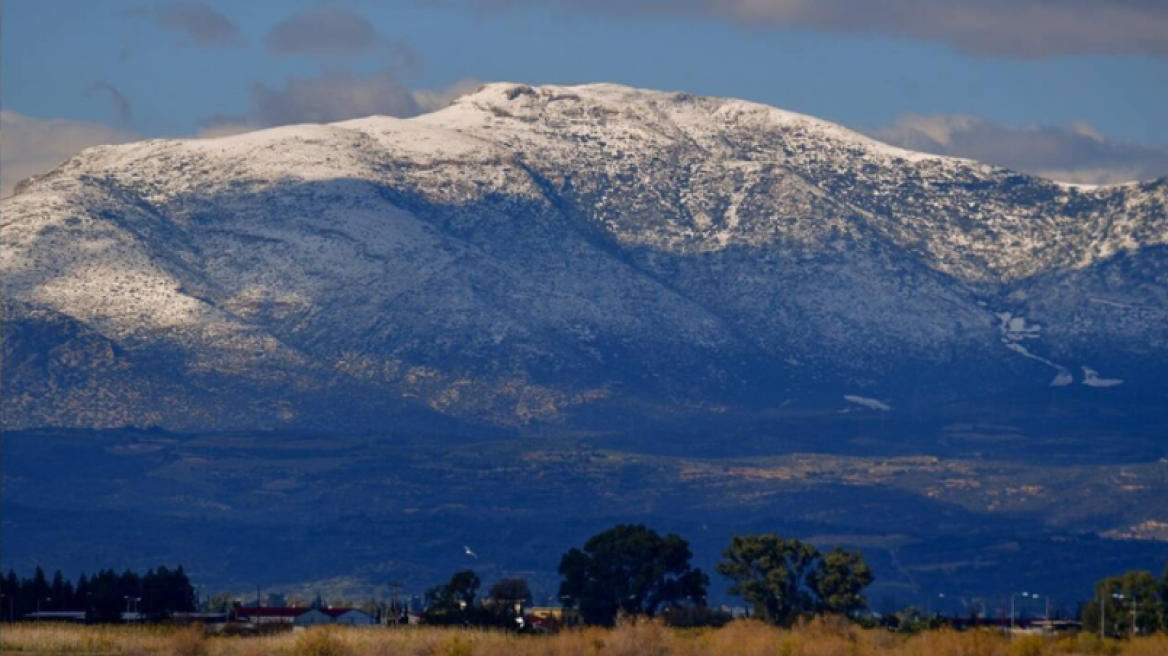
(131, 600)
(1024, 595)
(1102, 616)
(1012, 613)
(1118, 597)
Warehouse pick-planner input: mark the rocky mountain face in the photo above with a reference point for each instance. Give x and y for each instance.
(565, 256)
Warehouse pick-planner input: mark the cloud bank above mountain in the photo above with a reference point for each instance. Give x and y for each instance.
(330, 31)
(33, 146)
(1078, 153)
(205, 26)
(334, 96)
(999, 28)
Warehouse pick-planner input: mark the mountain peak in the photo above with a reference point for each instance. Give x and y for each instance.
(699, 116)
(555, 254)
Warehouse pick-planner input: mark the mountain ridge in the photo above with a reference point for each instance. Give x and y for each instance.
(535, 255)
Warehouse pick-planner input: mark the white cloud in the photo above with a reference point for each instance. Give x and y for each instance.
(31, 146)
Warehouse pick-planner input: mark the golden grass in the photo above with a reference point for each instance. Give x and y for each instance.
(821, 637)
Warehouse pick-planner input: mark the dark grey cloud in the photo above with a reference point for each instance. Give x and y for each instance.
(1006, 28)
(204, 25)
(324, 32)
(1076, 154)
(121, 105)
(333, 96)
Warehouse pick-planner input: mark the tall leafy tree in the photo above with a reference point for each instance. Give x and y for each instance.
(1116, 597)
(773, 573)
(511, 591)
(501, 600)
(839, 579)
(454, 602)
(630, 569)
(1164, 599)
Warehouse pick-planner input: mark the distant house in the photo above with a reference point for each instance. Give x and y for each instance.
(280, 615)
(310, 616)
(350, 616)
(1017, 625)
(542, 615)
(1054, 627)
(199, 618)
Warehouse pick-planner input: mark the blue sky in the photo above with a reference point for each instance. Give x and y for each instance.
(1077, 94)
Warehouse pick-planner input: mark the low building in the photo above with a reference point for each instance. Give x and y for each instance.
(280, 615)
(56, 616)
(556, 614)
(312, 617)
(350, 617)
(306, 616)
(199, 618)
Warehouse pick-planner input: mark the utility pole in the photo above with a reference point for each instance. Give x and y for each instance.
(1011, 614)
(394, 585)
(1102, 616)
(1134, 606)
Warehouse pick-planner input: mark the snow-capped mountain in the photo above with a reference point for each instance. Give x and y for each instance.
(562, 254)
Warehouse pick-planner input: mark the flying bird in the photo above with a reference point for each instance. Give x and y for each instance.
(469, 552)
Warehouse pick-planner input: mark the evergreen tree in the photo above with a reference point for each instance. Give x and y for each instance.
(82, 594)
(11, 592)
(36, 591)
(61, 592)
(184, 594)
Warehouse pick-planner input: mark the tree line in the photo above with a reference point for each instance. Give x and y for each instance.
(626, 570)
(103, 597)
(1134, 602)
(633, 570)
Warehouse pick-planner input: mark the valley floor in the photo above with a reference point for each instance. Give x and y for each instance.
(740, 638)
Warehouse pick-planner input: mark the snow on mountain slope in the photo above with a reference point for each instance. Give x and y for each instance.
(537, 254)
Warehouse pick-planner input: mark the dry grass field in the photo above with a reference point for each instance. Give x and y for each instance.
(743, 638)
